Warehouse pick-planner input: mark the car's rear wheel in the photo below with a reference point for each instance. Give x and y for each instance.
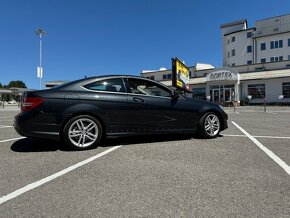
(82, 132)
(209, 125)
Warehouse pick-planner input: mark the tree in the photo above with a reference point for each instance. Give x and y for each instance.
(17, 84)
(1, 85)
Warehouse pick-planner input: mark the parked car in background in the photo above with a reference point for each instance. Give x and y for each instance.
(82, 112)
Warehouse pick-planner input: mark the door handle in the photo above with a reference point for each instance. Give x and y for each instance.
(138, 100)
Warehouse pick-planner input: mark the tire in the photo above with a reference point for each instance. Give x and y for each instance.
(209, 125)
(82, 132)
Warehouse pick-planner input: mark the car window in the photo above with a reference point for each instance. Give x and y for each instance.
(145, 87)
(110, 85)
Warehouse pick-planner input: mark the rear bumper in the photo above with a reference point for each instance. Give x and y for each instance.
(35, 130)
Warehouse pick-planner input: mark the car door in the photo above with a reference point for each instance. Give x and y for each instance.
(153, 108)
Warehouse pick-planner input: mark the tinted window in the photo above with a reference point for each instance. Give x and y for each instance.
(286, 90)
(263, 46)
(144, 87)
(257, 91)
(109, 85)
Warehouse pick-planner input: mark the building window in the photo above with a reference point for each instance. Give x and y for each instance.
(166, 76)
(280, 43)
(276, 44)
(257, 91)
(263, 60)
(249, 62)
(233, 64)
(199, 93)
(228, 41)
(229, 54)
(263, 46)
(233, 38)
(275, 59)
(249, 34)
(249, 49)
(288, 57)
(288, 42)
(286, 90)
(233, 52)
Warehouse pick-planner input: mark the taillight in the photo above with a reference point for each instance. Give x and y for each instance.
(30, 103)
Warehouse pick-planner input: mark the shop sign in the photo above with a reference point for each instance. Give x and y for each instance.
(180, 72)
(222, 75)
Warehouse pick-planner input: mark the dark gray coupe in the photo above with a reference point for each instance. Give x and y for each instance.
(82, 112)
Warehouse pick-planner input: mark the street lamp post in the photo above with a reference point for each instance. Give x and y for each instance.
(40, 32)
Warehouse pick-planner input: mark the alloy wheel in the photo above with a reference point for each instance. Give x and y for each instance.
(212, 125)
(83, 132)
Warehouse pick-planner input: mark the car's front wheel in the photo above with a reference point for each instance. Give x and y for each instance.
(82, 132)
(209, 125)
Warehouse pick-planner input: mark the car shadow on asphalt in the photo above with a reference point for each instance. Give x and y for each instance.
(36, 145)
(144, 139)
(27, 145)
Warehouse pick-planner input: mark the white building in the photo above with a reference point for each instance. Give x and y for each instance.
(268, 41)
(256, 65)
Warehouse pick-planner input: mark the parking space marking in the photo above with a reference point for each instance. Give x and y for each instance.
(281, 111)
(252, 111)
(271, 113)
(3, 126)
(8, 140)
(38, 183)
(259, 136)
(233, 135)
(274, 157)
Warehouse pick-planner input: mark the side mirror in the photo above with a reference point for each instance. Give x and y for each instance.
(175, 94)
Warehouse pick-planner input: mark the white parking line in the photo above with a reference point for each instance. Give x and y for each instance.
(274, 157)
(3, 126)
(259, 136)
(281, 111)
(271, 113)
(14, 139)
(52, 177)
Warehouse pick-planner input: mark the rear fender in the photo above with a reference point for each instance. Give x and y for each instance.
(83, 109)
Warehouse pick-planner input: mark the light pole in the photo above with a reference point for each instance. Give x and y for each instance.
(40, 32)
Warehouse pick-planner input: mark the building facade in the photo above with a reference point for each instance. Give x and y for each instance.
(268, 41)
(256, 65)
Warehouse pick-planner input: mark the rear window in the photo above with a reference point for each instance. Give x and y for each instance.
(109, 85)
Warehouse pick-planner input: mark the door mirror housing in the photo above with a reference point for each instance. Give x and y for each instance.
(175, 94)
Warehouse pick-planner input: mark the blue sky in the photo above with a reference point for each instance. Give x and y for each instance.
(96, 37)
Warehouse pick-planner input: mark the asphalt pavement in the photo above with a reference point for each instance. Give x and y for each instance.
(242, 173)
